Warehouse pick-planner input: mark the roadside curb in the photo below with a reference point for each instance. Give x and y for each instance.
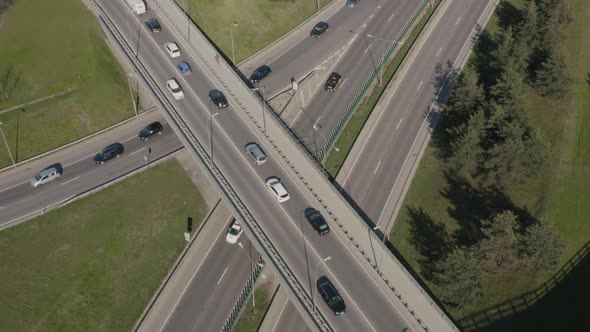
(80, 140)
(174, 268)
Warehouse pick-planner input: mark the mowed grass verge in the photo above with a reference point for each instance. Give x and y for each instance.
(94, 265)
(251, 317)
(260, 22)
(559, 197)
(52, 46)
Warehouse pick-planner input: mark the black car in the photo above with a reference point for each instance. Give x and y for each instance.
(330, 295)
(153, 25)
(319, 29)
(218, 98)
(317, 221)
(108, 153)
(332, 82)
(260, 73)
(151, 129)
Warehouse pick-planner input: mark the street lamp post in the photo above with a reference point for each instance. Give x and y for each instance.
(261, 89)
(260, 265)
(131, 93)
(316, 278)
(382, 59)
(211, 119)
(7, 147)
(231, 31)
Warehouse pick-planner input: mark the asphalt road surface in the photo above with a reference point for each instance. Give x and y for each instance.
(323, 110)
(224, 135)
(376, 168)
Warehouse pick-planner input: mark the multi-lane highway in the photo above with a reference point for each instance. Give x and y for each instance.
(375, 170)
(224, 135)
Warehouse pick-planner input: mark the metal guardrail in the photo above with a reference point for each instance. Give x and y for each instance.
(239, 305)
(253, 230)
(343, 120)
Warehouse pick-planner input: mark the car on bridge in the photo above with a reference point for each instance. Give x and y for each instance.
(184, 68)
(256, 153)
(110, 152)
(218, 98)
(175, 89)
(331, 296)
(153, 25)
(352, 3)
(317, 221)
(172, 49)
(277, 189)
(319, 29)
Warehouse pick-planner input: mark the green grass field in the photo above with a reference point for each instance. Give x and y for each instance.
(55, 45)
(260, 22)
(94, 265)
(251, 317)
(560, 196)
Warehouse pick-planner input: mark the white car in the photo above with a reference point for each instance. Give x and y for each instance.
(234, 233)
(172, 49)
(277, 188)
(175, 89)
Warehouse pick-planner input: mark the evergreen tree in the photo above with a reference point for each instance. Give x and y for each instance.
(498, 250)
(466, 146)
(458, 278)
(552, 77)
(541, 247)
(503, 52)
(509, 88)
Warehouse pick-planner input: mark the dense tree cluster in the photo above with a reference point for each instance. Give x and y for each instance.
(489, 139)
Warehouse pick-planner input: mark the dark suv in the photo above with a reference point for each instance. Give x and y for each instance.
(218, 98)
(151, 129)
(319, 29)
(317, 221)
(108, 153)
(153, 25)
(331, 296)
(260, 73)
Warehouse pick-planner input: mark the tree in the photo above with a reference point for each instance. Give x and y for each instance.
(527, 38)
(503, 52)
(466, 150)
(509, 88)
(457, 278)
(498, 250)
(515, 154)
(552, 77)
(467, 97)
(541, 247)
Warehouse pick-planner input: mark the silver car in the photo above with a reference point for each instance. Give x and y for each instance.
(352, 3)
(256, 153)
(47, 175)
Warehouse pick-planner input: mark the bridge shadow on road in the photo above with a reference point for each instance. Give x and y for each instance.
(560, 304)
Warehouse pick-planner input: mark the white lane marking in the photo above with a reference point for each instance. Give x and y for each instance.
(438, 53)
(458, 20)
(370, 17)
(366, 50)
(379, 7)
(280, 314)
(364, 25)
(16, 185)
(390, 17)
(342, 84)
(315, 124)
(222, 229)
(223, 274)
(399, 124)
(300, 232)
(420, 85)
(134, 152)
(377, 168)
(74, 179)
(301, 110)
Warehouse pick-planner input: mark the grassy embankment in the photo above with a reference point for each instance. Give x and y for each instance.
(93, 265)
(260, 22)
(52, 46)
(560, 196)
